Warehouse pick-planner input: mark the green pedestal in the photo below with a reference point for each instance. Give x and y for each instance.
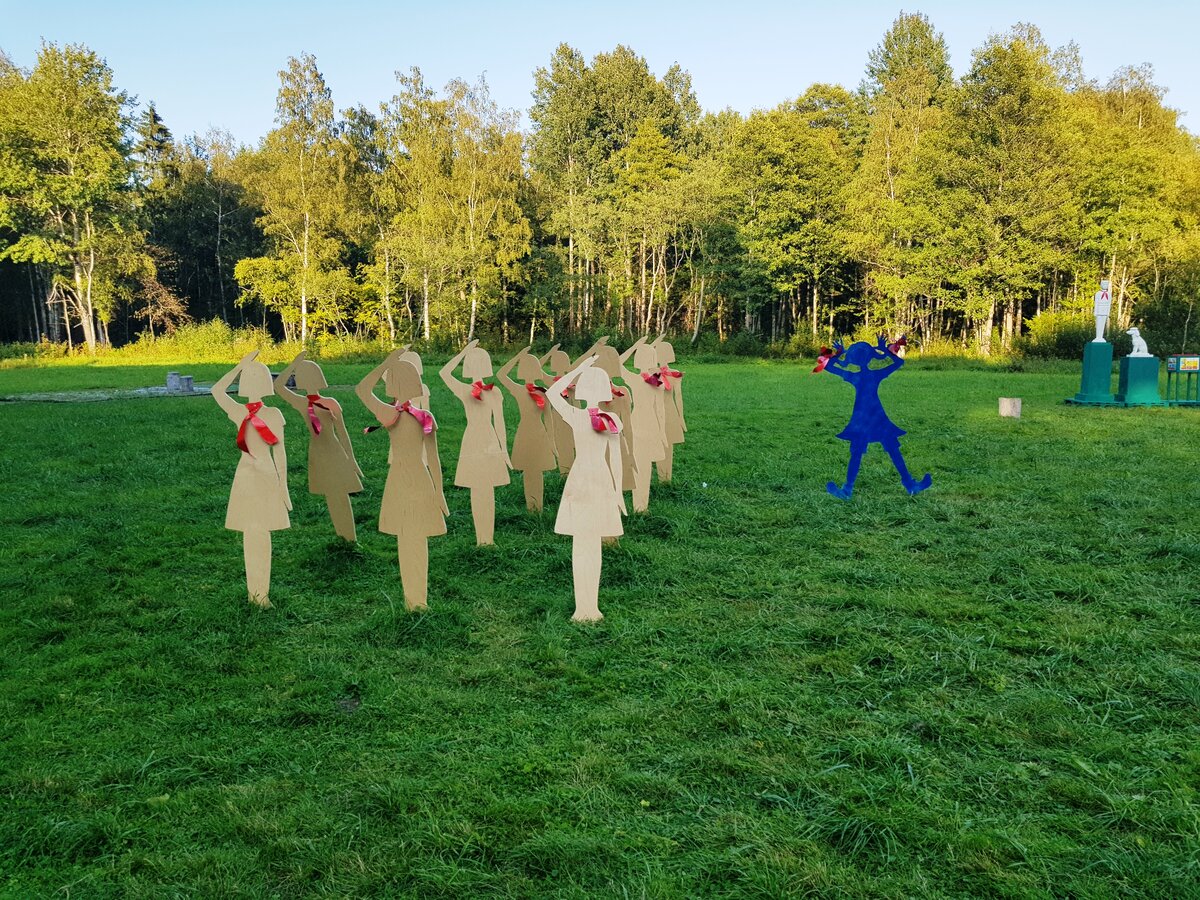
(1096, 386)
(1138, 382)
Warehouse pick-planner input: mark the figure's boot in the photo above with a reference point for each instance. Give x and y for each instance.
(840, 493)
(915, 487)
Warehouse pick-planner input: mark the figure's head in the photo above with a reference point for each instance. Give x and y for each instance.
(477, 364)
(593, 386)
(560, 363)
(309, 377)
(608, 360)
(666, 353)
(254, 381)
(645, 357)
(528, 368)
(414, 359)
(402, 381)
(860, 354)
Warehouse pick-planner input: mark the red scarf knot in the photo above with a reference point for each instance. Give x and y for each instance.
(824, 358)
(537, 393)
(895, 346)
(259, 425)
(602, 421)
(653, 379)
(315, 400)
(478, 388)
(424, 417)
(664, 372)
(617, 392)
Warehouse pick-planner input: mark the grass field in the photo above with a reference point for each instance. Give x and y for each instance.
(991, 689)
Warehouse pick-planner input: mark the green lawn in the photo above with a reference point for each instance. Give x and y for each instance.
(991, 689)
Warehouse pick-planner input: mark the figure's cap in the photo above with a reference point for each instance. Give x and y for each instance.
(309, 377)
(477, 364)
(560, 363)
(608, 360)
(254, 381)
(593, 386)
(645, 357)
(528, 368)
(402, 381)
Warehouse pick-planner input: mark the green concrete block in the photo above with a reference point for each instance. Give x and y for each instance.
(1138, 381)
(1096, 385)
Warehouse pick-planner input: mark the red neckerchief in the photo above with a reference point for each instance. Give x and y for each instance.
(478, 388)
(259, 425)
(825, 357)
(617, 392)
(315, 400)
(424, 417)
(653, 379)
(895, 346)
(538, 394)
(664, 372)
(602, 421)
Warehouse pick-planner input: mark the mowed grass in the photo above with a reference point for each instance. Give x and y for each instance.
(991, 689)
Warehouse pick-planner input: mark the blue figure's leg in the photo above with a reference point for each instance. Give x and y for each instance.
(910, 484)
(856, 454)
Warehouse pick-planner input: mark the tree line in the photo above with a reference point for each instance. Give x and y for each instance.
(959, 211)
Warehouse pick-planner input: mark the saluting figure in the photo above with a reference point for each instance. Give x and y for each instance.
(533, 449)
(333, 472)
(483, 460)
(259, 502)
(414, 503)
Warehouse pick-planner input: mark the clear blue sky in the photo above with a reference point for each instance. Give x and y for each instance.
(215, 63)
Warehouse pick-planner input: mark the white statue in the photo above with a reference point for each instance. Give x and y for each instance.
(1101, 308)
(1139, 343)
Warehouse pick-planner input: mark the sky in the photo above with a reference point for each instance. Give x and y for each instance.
(215, 64)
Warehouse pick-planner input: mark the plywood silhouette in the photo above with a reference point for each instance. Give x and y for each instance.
(333, 472)
(414, 503)
(869, 424)
(533, 448)
(483, 460)
(259, 501)
(649, 433)
(673, 423)
(609, 360)
(564, 440)
(592, 502)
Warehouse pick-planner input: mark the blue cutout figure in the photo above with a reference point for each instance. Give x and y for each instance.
(868, 422)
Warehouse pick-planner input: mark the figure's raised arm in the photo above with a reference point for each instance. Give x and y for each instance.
(365, 390)
(447, 371)
(289, 396)
(220, 390)
(632, 349)
(555, 392)
(502, 374)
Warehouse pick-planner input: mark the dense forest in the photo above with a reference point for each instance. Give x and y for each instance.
(965, 212)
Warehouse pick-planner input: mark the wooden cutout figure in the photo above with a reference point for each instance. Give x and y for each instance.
(533, 450)
(673, 423)
(483, 460)
(259, 502)
(592, 502)
(414, 503)
(333, 472)
(564, 441)
(649, 433)
(869, 424)
(609, 361)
